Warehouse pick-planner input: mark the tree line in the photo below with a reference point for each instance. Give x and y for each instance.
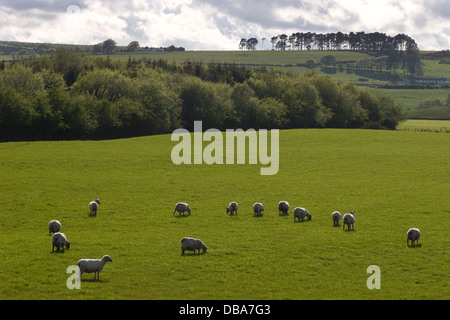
(397, 53)
(77, 96)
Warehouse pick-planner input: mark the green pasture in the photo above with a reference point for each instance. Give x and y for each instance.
(394, 180)
(281, 58)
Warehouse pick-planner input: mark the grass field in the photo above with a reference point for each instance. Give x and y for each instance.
(394, 180)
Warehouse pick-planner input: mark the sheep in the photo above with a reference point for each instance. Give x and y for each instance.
(53, 227)
(93, 207)
(182, 207)
(283, 207)
(412, 234)
(232, 207)
(349, 220)
(192, 244)
(336, 216)
(59, 240)
(258, 208)
(301, 213)
(93, 265)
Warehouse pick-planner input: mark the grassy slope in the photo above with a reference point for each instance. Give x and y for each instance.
(394, 181)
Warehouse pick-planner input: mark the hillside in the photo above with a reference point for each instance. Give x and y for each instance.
(297, 62)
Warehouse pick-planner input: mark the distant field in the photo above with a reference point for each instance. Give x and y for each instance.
(281, 58)
(393, 180)
(410, 98)
(425, 125)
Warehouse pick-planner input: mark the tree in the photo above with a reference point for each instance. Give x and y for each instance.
(328, 60)
(133, 46)
(243, 44)
(109, 46)
(252, 43)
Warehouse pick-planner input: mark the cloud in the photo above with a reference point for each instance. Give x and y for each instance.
(218, 24)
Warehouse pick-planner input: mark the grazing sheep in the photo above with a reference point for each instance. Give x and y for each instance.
(349, 220)
(412, 234)
(93, 265)
(59, 240)
(192, 244)
(301, 213)
(283, 207)
(182, 207)
(93, 207)
(336, 216)
(232, 207)
(258, 208)
(53, 227)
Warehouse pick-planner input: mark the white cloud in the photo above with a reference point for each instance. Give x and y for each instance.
(218, 24)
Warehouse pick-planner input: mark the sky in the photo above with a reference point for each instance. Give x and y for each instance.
(218, 24)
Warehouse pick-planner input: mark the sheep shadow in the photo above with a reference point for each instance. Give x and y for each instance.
(419, 245)
(57, 252)
(302, 221)
(92, 280)
(192, 254)
(181, 215)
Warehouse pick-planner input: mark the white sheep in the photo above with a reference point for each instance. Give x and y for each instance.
(53, 227)
(93, 207)
(232, 207)
(258, 208)
(336, 216)
(349, 220)
(181, 207)
(59, 240)
(300, 213)
(93, 265)
(192, 244)
(412, 234)
(283, 207)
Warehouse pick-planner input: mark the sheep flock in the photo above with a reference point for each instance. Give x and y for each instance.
(59, 239)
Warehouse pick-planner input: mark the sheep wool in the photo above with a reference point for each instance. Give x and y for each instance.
(93, 266)
(93, 207)
(349, 220)
(283, 207)
(336, 216)
(53, 227)
(232, 208)
(412, 235)
(59, 240)
(182, 207)
(258, 208)
(192, 244)
(300, 214)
